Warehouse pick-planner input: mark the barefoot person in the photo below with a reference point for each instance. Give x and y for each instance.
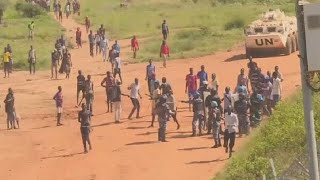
(59, 100)
(134, 46)
(84, 119)
(134, 96)
(10, 109)
(108, 82)
(164, 53)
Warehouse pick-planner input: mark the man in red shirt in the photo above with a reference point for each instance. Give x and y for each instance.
(191, 85)
(78, 38)
(164, 52)
(134, 46)
(109, 83)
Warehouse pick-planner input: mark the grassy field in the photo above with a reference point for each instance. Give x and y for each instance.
(14, 31)
(196, 28)
(282, 138)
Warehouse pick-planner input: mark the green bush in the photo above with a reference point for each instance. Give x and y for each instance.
(28, 10)
(234, 23)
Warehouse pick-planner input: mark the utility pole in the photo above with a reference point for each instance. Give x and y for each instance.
(307, 98)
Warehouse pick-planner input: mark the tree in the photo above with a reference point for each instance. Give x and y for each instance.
(3, 6)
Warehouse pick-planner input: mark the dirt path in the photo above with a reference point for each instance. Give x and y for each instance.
(40, 150)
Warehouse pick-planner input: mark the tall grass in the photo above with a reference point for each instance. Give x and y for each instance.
(14, 31)
(186, 19)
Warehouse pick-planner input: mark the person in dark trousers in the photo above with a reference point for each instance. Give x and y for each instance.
(84, 119)
(80, 85)
(87, 23)
(59, 101)
(212, 97)
(10, 109)
(78, 38)
(89, 93)
(150, 76)
(109, 83)
(134, 46)
(165, 29)
(116, 100)
(32, 60)
(171, 101)
(215, 116)
(165, 87)
(231, 125)
(241, 107)
(155, 96)
(163, 111)
(134, 96)
(91, 42)
(54, 63)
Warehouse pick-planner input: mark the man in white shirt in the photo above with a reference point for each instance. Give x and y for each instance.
(231, 125)
(117, 67)
(134, 96)
(214, 82)
(276, 90)
(104, 45)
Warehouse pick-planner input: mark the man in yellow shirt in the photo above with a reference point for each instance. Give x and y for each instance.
(6, 62)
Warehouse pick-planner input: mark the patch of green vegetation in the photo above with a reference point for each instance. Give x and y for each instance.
(14, 31)
(222, 20)
(282, 138)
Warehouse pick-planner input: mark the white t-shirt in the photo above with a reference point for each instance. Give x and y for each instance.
(118, 63)
(134, 90)
(231, 122)
(276, 87)
(214, 84)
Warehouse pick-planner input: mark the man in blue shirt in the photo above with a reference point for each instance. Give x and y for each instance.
(116, 47)
(202, 76)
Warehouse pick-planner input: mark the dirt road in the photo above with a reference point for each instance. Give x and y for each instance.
(42, 151)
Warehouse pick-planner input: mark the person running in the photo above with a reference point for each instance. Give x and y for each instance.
(165, 30)
(117, 67)
(116, 101)
(87, 22)
(10, 109)
(32, 60)
(108, 82)
(163, 111)
(80, 85)
(150, 76)
(156, 94)
(78, 38)
(241, 107)
(89, 94)
(214, 82)
(198, 114)
(191, 85)
(104, 45)
(165, 87)
(6, 63)
(84, 118)
(116, 47)
(202, 76)
(164, 53)
(59, 101)
(97, 37)
(91, 42)
(134, 96)
(31, 30)
(66, 64)
(134, 46)
(215, 117)
(231, 125)
(171, 101)
(54, 63)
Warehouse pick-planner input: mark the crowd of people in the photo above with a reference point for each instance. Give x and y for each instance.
(214, 111)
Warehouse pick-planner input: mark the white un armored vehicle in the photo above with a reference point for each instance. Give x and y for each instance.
(274, 32)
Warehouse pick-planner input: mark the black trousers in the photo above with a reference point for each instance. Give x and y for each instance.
(32, 68)
(85, 131)
(229, 139)
(91, 49)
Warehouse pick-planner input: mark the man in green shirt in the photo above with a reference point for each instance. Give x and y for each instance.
(31, 29)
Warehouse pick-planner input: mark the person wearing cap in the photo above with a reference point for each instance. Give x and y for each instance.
(215, 121)
(202, 76)
(231, 125)
(156, 94)
(198, 114)
(241, 107)
(162, 110)
(10, 109)
(116, 101)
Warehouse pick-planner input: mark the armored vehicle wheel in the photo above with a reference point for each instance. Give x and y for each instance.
(288, 48)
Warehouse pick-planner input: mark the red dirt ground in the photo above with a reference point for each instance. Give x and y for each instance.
(40, 150)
